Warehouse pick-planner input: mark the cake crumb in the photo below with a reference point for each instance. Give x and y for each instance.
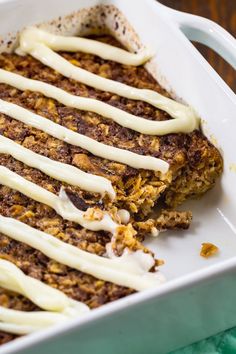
(154, 232)
(208, 250)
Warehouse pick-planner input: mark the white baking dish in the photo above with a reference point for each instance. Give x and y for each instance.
(198, 299)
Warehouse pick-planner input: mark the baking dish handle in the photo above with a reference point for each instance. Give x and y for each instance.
(202, 30)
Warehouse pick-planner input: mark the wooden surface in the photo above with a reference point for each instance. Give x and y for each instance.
(224, 13)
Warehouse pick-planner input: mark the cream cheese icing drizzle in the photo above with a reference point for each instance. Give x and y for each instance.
(33, 43)
(121, 117)
(44, 296)
(57, 170)
(57, 305)
(131, 269)
(89, 144)
(22, 322)
(61, 204)
(103, 50)
(124, 216)
(47, 298)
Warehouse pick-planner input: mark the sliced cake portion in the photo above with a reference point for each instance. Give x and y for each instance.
(195, 165)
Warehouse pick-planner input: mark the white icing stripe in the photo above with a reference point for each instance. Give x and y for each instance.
(131, 270)
(103, 50)
(73, 138)
(17, 329)
(41, 318)
(61, 204)
(22, 322)
(29, 43)
(57, 305)
(121, 117)
(57, 170)
(44, 296)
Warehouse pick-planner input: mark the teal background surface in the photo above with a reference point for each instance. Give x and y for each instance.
(222, 343)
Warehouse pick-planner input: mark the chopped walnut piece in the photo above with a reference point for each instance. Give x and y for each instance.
(93, 214)
(55, 267)
(144, 227)
(125, 237)
(208, 250)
